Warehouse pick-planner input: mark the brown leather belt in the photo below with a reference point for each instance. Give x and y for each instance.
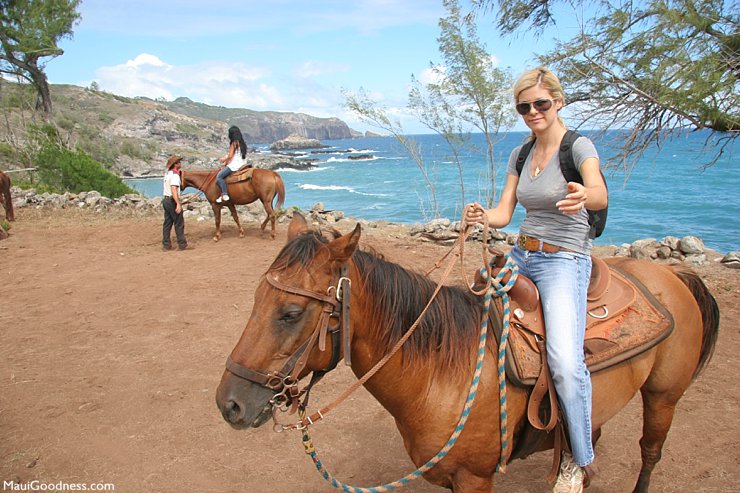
(535, 245)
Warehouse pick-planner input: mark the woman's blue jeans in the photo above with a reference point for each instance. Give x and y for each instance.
(562, 279)
(221, 179)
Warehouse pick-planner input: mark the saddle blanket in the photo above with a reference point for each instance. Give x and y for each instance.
(244, 174)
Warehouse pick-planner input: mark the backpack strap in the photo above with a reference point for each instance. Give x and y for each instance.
(523, 153)
(567, 164)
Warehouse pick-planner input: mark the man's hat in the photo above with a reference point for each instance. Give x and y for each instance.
(173, 160)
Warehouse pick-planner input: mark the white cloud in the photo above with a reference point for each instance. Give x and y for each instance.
(231, 84)
(145, 59)
(432, 75)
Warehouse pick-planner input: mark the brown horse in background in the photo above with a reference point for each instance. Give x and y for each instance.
(264, 185)
(424, 386)
(7, 199)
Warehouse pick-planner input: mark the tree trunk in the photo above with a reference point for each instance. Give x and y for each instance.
(39, 80)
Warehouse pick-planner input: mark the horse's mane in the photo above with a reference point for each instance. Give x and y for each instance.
(447, 335)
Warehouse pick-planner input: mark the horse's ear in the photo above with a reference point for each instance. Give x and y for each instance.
(298, 225)
(343, 247)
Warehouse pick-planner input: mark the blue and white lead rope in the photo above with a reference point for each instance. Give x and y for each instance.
(495, 289)
(502, 291)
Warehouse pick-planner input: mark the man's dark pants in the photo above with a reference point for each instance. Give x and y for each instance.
(172, 218)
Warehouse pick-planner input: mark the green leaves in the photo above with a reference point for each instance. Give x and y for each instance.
(29, 32)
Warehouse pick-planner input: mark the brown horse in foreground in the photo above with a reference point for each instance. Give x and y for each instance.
(7, 199)
(264, 185)
(425, 385)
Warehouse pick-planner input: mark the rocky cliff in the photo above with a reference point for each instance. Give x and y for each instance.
(264, 127)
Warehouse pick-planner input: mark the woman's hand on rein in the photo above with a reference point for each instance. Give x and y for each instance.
(474, 214)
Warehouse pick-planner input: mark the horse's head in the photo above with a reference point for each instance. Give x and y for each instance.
(184, 183)
(292, 330)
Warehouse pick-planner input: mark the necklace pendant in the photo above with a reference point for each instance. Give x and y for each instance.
(537, 171)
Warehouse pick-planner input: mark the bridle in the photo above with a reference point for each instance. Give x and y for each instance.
(284, 382)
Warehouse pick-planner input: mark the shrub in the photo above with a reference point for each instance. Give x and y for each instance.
(65, 170)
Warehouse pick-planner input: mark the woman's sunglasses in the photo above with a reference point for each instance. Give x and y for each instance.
(540, 105)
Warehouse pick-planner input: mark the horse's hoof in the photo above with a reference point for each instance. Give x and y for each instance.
(216, 238)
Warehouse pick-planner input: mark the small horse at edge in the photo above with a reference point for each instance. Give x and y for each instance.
(7, 199)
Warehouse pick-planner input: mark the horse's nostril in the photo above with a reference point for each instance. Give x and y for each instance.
(232, 412)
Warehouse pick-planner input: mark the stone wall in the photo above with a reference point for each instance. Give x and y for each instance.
(670, 249)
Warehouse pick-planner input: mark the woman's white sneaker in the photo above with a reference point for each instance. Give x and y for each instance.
(570, 476)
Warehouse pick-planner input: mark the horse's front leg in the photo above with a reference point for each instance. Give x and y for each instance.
(217, 217)
(232, 208)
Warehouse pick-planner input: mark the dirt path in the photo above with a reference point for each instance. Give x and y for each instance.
(111, 350)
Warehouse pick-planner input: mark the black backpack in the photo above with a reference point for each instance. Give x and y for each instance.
(596, 219)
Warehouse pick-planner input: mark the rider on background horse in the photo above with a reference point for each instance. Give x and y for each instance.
(233, 161)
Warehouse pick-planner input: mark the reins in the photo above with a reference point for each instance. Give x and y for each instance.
(202, 190)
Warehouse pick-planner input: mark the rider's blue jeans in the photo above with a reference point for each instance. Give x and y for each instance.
(562, 280)
(221, 179)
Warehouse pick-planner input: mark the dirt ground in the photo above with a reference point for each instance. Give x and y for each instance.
(111, 351)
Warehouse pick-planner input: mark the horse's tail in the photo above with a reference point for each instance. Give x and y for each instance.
(280, 188)
(7, 199)
(709, 314)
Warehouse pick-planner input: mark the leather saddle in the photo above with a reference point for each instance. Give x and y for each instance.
(244, 174)
(615, 328)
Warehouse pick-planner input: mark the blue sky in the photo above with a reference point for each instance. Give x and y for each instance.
(275, 55)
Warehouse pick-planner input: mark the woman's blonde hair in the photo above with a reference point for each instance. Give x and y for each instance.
(542, 77)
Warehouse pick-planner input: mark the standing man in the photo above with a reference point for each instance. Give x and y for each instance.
(172, 206)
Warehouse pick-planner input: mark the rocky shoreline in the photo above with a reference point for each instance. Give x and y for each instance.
(670, 249)
(289, 153)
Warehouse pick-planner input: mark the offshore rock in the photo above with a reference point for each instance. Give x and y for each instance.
(293, 142)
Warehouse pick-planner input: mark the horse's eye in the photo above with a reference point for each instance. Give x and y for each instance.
(291, 316)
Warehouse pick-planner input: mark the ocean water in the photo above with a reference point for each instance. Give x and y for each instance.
(668, 192)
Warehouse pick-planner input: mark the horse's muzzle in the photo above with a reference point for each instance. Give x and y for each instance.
(243, 404)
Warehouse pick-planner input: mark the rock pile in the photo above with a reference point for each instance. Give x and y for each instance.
(195, 205)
